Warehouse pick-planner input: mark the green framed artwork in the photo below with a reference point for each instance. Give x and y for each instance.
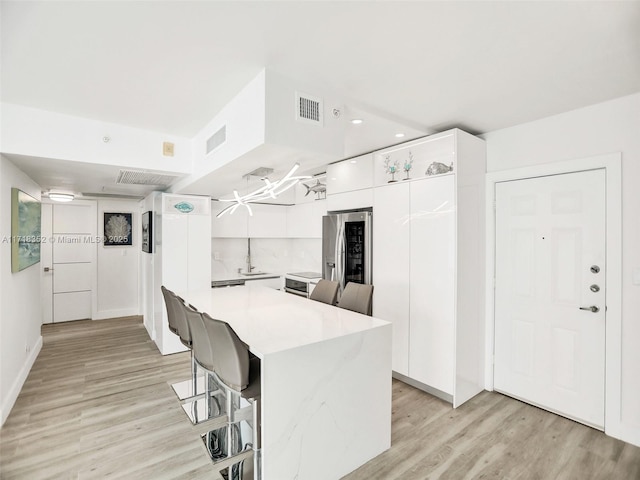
(26, 213)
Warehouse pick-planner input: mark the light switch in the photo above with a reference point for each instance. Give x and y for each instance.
(636, 276)
(216, 255)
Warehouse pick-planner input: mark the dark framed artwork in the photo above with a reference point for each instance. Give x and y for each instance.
(117, 229)
(147, 232)
(25, 230)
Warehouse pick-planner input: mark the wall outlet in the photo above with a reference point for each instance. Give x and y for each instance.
(216, 255)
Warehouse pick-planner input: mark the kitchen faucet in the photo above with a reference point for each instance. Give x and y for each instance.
(249, 267)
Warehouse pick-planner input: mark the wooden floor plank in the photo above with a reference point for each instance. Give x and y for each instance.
(98, 404)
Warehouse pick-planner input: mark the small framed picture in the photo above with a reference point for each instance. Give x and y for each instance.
(147, 232)
(117, 229)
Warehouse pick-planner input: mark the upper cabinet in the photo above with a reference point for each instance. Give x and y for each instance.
(228, 225)
(304, 220)
(267, 221)
(349, 175)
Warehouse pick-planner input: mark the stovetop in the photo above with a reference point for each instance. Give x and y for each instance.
(306, 274)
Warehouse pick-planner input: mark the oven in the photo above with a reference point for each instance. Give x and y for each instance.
(298, 283)
(297, 287)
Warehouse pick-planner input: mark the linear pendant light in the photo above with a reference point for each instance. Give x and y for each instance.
(268, 190)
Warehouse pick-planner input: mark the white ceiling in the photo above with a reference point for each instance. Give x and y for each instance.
(171, 66)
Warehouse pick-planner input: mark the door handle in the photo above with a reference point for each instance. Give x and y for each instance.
(592, 308)
(47, 269)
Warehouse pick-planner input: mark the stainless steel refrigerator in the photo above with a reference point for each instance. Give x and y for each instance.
(346, 247)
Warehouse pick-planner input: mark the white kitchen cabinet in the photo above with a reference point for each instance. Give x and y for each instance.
(433, 294)
(350, 200)
(275, 283)
(391, 266)
(182, 229)
(267, 221)
(432, 280)
(304, 220)
(229, 225)
(349, 175)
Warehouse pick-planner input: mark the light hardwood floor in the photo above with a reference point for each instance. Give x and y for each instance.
(97, 404)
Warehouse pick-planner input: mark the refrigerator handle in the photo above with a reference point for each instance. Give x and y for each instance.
(340, 242)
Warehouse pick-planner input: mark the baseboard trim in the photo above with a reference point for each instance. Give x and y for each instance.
(15, 389)
(425, 388)
(122, 312)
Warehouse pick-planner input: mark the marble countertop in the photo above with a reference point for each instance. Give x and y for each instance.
(272, 321)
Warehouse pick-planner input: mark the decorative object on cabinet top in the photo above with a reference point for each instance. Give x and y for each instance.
(416, 156)
(319, 188)
(268, 190)
(406, 166)
(437, 168)
(391, 168)
(184, 207)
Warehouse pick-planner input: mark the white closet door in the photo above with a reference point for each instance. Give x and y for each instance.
(74, 232)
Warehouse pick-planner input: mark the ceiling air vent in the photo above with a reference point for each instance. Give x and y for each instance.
(141, 177)
(216, 139)
(308, 109)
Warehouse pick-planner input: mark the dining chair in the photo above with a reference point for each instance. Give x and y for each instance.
(326, 291)
(357, 297)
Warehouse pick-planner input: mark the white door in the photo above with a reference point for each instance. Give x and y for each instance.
(550, 273)
(73, 255)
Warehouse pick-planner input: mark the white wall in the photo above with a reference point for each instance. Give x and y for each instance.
(244, 118)
(118, 267)
(272, 255)
(20, 307)
(607, 127)
(79, 139)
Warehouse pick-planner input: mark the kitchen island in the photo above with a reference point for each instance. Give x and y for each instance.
(326, 379)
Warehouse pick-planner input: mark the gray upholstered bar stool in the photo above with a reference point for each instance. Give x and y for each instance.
(326, 291)
(204, 407)
(186, 389)
(238, 373)
(357, 297)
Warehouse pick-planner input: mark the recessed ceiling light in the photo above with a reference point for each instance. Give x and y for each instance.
(356, 121)
(399, 135)
(354, 161)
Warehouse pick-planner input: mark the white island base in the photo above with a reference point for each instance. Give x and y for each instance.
(326, 379)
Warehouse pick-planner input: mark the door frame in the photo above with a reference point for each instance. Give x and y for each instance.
(612, 164)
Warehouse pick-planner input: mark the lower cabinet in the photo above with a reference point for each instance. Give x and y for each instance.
(275, 283)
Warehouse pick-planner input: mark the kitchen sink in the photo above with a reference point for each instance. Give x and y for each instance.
(253, 274)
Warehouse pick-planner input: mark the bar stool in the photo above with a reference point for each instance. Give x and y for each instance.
(201, 408)
(357, 297)
(238, 373)
(326, 291)
(186, 389)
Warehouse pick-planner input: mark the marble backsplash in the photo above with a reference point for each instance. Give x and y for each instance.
(273, 255)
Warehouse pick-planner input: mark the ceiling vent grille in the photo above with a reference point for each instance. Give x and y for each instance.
(216, 139)
(308, 109)
(141, 177)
